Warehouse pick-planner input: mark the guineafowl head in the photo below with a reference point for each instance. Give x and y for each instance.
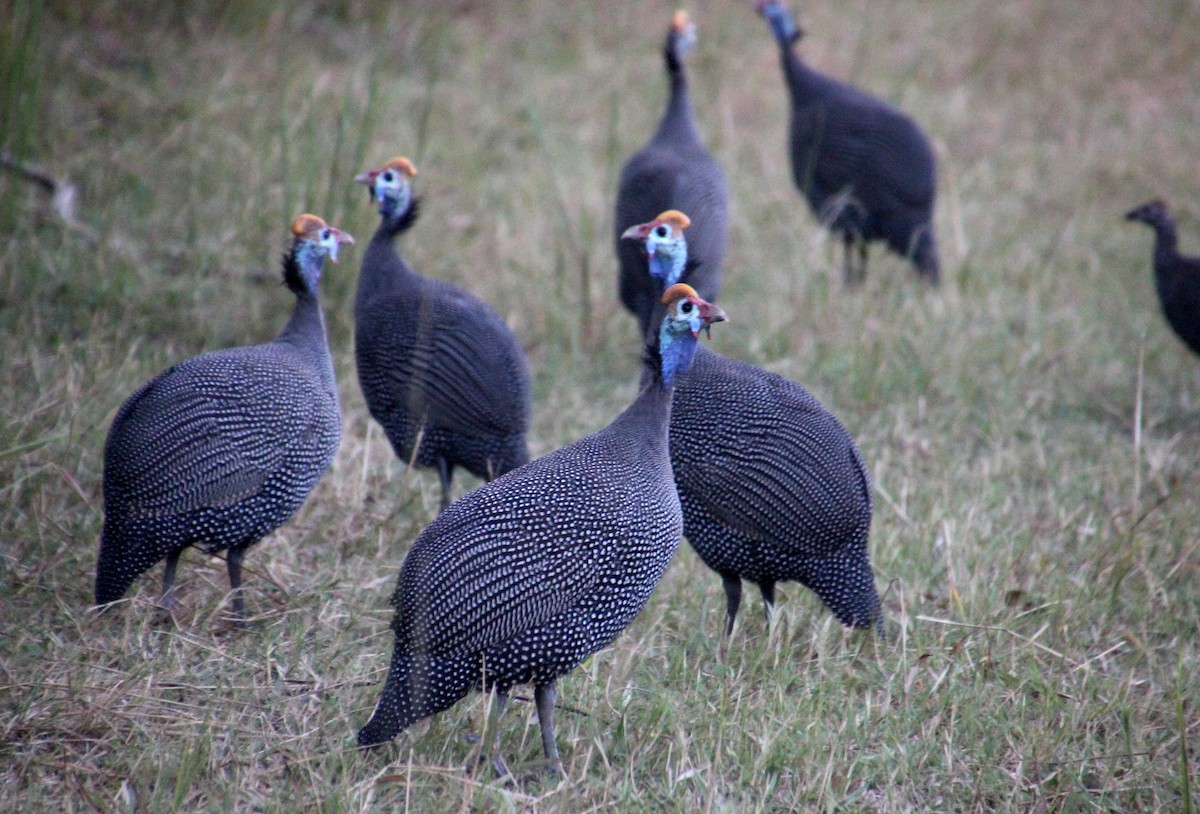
(782, 23)
(681, 38)
(391, 185)
(666, 247)
(1154, 212)
(312, 241)
(687, 315)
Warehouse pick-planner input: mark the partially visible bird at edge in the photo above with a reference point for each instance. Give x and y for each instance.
(1176, 276)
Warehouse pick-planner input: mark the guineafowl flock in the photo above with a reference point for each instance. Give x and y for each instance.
(550, 559)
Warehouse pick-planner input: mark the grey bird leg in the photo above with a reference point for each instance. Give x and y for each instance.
(167, 600)
(733, 599)
(494, 714)
(444, 474)
(854, 276)
(544, 694)
(768, 592)
(233, 561)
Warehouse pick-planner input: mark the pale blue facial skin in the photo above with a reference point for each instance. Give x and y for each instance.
(668, 254)
(393, 191)
(315, 247)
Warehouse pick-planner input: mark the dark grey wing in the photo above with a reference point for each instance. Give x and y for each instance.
(512, 554)
(469, 370)
(774, 464)
(208, 432)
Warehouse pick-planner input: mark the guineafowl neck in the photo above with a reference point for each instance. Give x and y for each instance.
(677, 122)
(801, 79)
(383, 270)
(306, 332)
(649, 416)
(667, 271)
(1166, 240)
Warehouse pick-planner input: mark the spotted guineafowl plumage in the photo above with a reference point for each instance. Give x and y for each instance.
(772, 486)
(523, 578)
(439, 369)
(1176, 276)
(673, 170)
(866, 168)
(222, 449)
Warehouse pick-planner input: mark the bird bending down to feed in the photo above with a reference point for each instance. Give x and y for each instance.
(772, 486)
(674, 169)
(522, 579)
(1176, 276)
(439, 370)
(866, 168)
(220, 450)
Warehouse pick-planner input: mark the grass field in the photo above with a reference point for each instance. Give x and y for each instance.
(1031, 426)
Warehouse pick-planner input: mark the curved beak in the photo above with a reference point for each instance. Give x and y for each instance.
(638, 232)
(368, 178)
(710, 313)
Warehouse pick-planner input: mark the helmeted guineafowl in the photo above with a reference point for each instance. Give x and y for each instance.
(439, 369)
(772, 486)
(866, 168)
(523, 578)
(673, 169)
(222, 449)
(1176, 276)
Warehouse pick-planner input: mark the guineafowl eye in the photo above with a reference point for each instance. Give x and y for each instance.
(662, 231)
(325, 235)
(388, 177)
(686, 307)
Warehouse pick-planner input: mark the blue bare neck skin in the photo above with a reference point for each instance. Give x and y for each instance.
(677, 350)
(668, 270)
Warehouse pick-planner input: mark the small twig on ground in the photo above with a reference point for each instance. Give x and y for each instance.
(64, 196)
(950, 623)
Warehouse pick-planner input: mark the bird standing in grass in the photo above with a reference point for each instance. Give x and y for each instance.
(439, 369)
(866, 168)
(522, 579)
(1176, 276)
(673, 169)
(222, 449)
(772, 486)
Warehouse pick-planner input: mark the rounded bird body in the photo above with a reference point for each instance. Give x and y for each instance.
(1176, 276)
(866, 168)
(220, 450)
(673, 169)
(520, 580)
(439, 369)
(772, 486)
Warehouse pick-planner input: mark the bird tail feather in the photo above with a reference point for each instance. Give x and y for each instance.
(417, 686)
